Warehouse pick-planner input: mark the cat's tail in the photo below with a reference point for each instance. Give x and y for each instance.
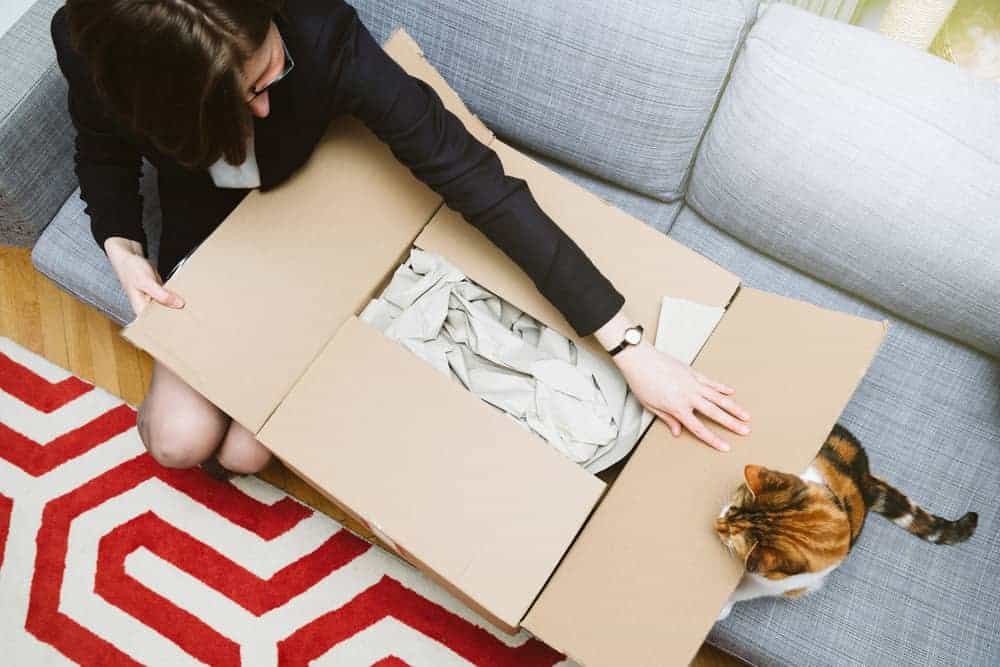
(894, 505)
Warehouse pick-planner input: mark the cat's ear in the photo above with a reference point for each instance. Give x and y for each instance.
(755, 477)
(759, 479)
(762, 559)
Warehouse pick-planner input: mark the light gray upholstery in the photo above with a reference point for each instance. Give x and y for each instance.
(67, 254)
(36, 137)
(928, 413)
(865, 163)
(613, 94)
(619, 89)
(655, 213)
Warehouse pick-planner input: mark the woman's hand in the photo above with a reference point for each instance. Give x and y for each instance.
(139, 278)
(672, 390)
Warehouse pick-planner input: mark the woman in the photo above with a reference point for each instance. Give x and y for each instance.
(223, 96)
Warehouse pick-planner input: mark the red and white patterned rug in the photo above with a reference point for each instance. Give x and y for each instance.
(107, 558)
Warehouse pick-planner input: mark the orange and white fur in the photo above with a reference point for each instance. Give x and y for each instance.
(791, 531)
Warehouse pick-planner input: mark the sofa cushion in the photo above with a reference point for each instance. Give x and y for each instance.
(68, 255)
(928, 413)
(865, 163)
(657, 214)
(36, 136)
(11, 11)
(622, 90)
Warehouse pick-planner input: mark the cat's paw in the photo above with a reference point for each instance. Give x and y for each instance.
(724, 612)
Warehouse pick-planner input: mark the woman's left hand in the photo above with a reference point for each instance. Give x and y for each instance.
(674, 391)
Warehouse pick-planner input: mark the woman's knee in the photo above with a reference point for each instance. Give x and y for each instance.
(179, 427)
(240, 451)
(178, 440)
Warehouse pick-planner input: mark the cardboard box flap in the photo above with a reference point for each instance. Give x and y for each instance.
(271, 284)
(641, 262)
(645, 580)
(290, 265)
(478, 500)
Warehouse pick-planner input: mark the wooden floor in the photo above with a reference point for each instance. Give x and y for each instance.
(50, 322)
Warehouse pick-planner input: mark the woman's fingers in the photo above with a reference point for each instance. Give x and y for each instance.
(162, 295)
(672, 423)
(718, 386)
(720, 416)
(727, 404)
(700, 431)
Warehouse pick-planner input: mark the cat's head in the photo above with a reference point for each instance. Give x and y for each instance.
(780, 525)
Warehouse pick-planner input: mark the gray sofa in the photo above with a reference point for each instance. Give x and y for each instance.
(811, 158)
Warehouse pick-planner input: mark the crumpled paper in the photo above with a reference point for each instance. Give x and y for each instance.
(577, 402)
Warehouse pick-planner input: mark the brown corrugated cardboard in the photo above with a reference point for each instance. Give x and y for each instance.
(277, 271)
(645, 580)
(458, 489)
(246, 293)
(480, 501)
(641, 262)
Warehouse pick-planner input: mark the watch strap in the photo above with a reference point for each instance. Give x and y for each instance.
(622, 345)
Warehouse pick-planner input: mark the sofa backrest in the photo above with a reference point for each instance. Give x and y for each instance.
(36, 136)
(863, 162)
(621, 89)
(11, 11)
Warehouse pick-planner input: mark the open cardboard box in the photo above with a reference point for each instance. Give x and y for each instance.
(627, 573)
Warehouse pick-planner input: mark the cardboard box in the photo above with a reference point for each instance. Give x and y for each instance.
(270, 334)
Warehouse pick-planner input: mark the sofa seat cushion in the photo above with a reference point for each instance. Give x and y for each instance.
(622, 90)
(68, 255)
(865, 163)
(928, 413)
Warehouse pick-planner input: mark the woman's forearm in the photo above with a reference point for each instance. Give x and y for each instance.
(409, 115)
(612, 332)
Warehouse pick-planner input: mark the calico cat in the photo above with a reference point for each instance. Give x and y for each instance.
(790, 531)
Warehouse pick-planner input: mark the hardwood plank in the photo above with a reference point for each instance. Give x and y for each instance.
(128, 366)
(20, 275)
(81, 362)
(8, 305)
(102, 352)
(54, 347)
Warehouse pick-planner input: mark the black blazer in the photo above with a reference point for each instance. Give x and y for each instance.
(339, 69)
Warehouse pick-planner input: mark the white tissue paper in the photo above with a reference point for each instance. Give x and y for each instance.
(576, 401)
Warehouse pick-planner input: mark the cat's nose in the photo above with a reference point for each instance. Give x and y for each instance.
(721, 527)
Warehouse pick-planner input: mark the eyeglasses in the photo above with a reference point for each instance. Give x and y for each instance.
(289, 64)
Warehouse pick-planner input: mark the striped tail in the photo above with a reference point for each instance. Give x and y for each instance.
(894, 505)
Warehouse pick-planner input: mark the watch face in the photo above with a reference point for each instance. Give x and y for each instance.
(633, 336)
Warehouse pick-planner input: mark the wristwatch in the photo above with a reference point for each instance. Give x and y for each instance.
(632, 337)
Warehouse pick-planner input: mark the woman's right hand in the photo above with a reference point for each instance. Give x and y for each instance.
(139, 278)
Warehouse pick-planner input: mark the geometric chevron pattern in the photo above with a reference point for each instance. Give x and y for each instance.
(107, 558)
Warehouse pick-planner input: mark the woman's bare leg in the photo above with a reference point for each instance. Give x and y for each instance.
(241, 452)
(180, 427)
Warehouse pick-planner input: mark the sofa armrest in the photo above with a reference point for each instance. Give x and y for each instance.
(36, 134)
(864, 163)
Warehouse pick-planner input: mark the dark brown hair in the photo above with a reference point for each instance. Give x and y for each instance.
(169, 69)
